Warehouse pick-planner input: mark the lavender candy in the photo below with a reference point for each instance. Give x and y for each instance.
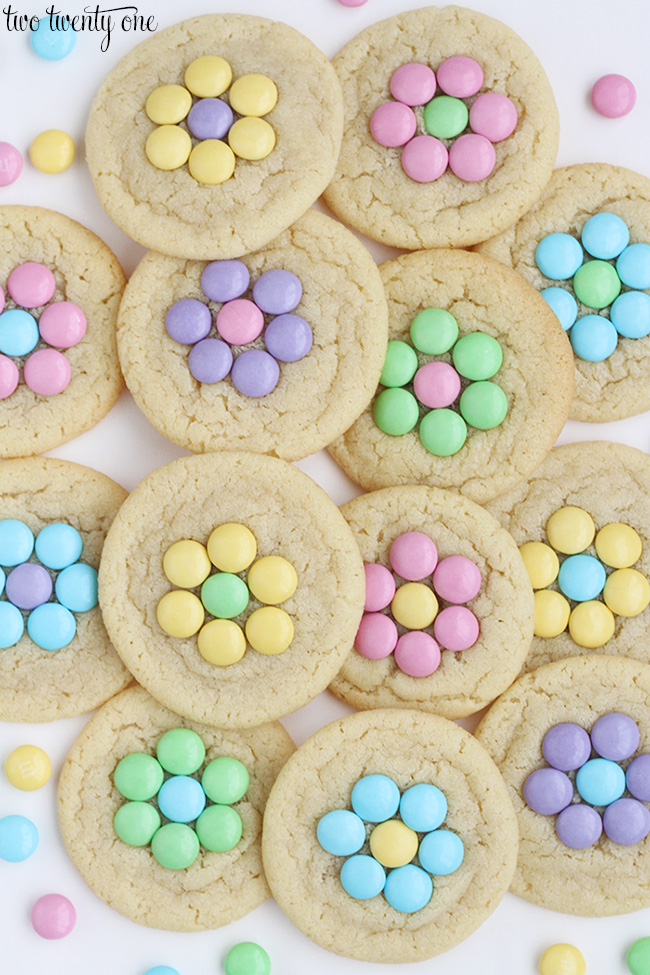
(548, 791)
(29, 585)
(188, 321)
(255, 373)
(210, 360)
(210, 118)
(579, 826)
(626, 822)
(225, 280)
(615, 736)
(637, 777)
(566, 746)
(277, 292)
(288, 338)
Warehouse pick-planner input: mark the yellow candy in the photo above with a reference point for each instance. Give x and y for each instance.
(570, 530)
(222, 642)
(28, 768)
(186, 563)
(393, 843)
(212, 162)
(269, 630)
(52, 151)
(251, 138)
(272, 579)
(552, 612)
(168, 104)
(414, 605)
(180, 613)
(562, 960)
(541, 562)
(232, 547)
(208, 77)
(253, 94)
(591, 624)
(168, 147)
(618, 545)
(626, 592)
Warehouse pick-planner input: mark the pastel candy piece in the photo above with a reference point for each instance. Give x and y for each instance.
(208, 76)
(210, 118)
(413, 555)
(9, 376)
(225, 280)
(596, 284)
(51, 626)
(562, 304)
(225, 780)
(441, 852)
(414, 606)
(28, 586)
(633, 266)
(376, 637)
(62, 324)
(247, 958)
(626, 822)
(615, 736)
(424, 159)
(472, 158)
(393, 843)
(210, 361)
(392, 124)
(443, 432)
(638, 957)
(239, 321)
(136, 823)
(255, 373)
(288, 338)
(579, 826)
(408, 888)
(11, 164)
(460, 76)
(175, 846)
(593, 338)
(188, 321)
(456, 628)
(232, 547)
(493, 115)
(591, 624)
(28, 768)
(570, 530)
(400, 364)
(423, 807)
(380, 587)
(630, 314)
(417, 654)
(341, 832)
(16, 542)
(605, 235)
(548, 791)
(253, 95)
(53, 916)
(47, 372)
(637, 777)
(168, 104)
(434, 331)
(613, 96)
(558, 256)
(31, 284)
(50, 43)
(413, 83)
(562, 959)
(138, 776)
(181, 799)
(12, 625)
(362, 877)
(566, 746)
(552, 612)
(251, 138)
(219, 828)
(277, 292)
(53, 151)
(600, 781)
(18, 838)
(375, 798)
(76, 587)
(581, 577)
(272, 579)
(457, 579)
(211, 162)
(180, 751)
(436, 384)
(542, 564)
(445, 117)
(58, 545)
(18, 332)
(395, 411)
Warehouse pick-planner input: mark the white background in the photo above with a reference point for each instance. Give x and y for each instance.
(577, 41)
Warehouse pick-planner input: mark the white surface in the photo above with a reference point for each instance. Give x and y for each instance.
(577, 43)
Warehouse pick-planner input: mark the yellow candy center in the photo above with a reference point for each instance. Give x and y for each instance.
(186, 564)
(251, 138)
(180, 613)
(272, 579)
(28, 768)
(222, 642)
(168, 104)
(393, 843)
(552, 613)
(570, 530)
(618, 545)
(208, 77)
(414, 605)
(541, 562)
(168, 147)
(253, 94)
(232, 547)
(269, 630)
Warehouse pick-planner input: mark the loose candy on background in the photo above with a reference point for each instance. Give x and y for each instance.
(11, 165)
(28, 768)
(247, 958)
(18, 838)
(52, 151)
(562, 959)
(52, 44)
(161, 970)
(53, 916)
(613, 96)
(638, 957)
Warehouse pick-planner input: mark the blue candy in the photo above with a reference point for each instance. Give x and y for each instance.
(12, 625)
(605, 235)
(58, 545)
(51, 627)
(341, 832)
(16, 542)
(581, 577)
(593, 338)
(633, 266)
(630, 314)
(363, 877)
(408, 889)
(375, 798)
(181, 799)
(600, 782)
(441, 852)
(76, 587)
(52, 44)
(558, 256)
(3, 579)
(18, 838)
(18, 332)
(423, 807)
(563, 304)
(161, 970)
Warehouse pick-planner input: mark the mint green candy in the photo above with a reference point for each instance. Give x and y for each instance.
(219, 828)
(225, 780)
(395, 411)
(445, 117)
(400, 364)
(247, 958)
(596, 284)
(443, 432)
(180, 751)
(136, 822)
(175, 846)
(138, 776)
(638, 957)
(224, 595)
(483, 405)
(477, 356)
(434, 331)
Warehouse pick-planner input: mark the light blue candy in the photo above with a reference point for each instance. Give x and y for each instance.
(51, 44)
(341, 832)
(181, 799)
(558, 256)
(76, 587)
(12, 625)
(51, 627)
(3, 579)
(581, 577)
(161, 970)
(408, 889)
(593, 338)
(563, 304)
(18, 332)
(58, 545)
(600, 782)
(375, 798)
(423, 807)
(16, 542)
(605, 235)
(630, 314)
(633, 266)
(441, 852)
(363, 877)
(18, 838)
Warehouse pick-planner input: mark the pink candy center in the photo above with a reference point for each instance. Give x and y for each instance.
(240, 321)
(436, 384)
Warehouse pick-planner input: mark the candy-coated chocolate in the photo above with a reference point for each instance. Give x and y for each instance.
(638, 957)
(272, 579)
(477, 356)
(208, 76)
(138, 776)
(552, 612)
(175, 846)
(232, 547)
(51, 626)
(255, 373)
(288, 338)
(596, 284)
(251, 138)
(562, 959)
(562, 304)
(456, 628)
(633, 266)
(28, 768)
(51, 43)
(12, 625)
(168, 104)
(211, 162)
(472, 157)
(581, 577)
(210, 360)
(136, 823)
(618, 545)
(579, 826)
(593, 338)
(417, 654)
(47, 372)
(542, 564)
(483, 405)
(62, 324)
(225, 780)
(239, 321)
(395, 411)
(392, 124)
(186, 563)
(566, 746)
(413, 83)
(434, 331)
(31, 284)
(219, 828)
(591, 624)
(375, 798)
(424, 158)
(423, 807)
(457, 579)
(493, 115)
(436, 384)
(570, 530)
(380, 587)
(11, 164)
(269, 630)
(9, 376)
(225, 280)
(414, 605)
(16, 542)
(249, 958)
(600, 782)
(441, 852)
(180, 614)
(400, 364)
(626, 821)
(605, 235)
(188, 321)
(180, 751)
(376, 637)
(408, 888)
(168, 147)
(615, 736)
(76, 587)
(413, 556)
(548, 791)
(445, 117)
(221, 642)
(443, 432)
(224, 595)
(341, 832)
(558, 256)
(210, 118)
(181, 799)
(277, 291)
(627, 592)
(253, 94)
(58, 545)
(18, 838)
(53, 916)
(460, 76)
(613, 96)
(637, 777)
(393, 843)
(28, 585)
(630, 314)
(52, 151)
(362, 877)
(18, 332)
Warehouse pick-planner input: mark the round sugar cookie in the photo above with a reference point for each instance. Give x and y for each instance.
(531, 374)
(220, 669)
(218, 886)
(501, 609)
(605, 877)
(317, 397)
(168, 209)
(616, 386)
(372, 191)
(610, 483)
(39, 684)
(410, 748)
(81, 381)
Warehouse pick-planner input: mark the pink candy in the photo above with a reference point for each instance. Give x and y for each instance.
(240, 321)
(376, 636)
(393, 124)
(53, 916)
(424, 158)
(2, 299)
(47, 372)
(417, 654)
(613, 96)
(457, 579)
(11, 164)
(8, 376)
(436, 384)
(380, 587)
(456, 628)
(472, 158)
(460, 76)
(413, 84)
(62, 324)
(413, 555)
(352, 3)
(493, 115)
(31, 285)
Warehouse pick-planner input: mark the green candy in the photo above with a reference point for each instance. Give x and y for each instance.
(225, 780)
(445, 117)
(180, 751)
(596, 284)
(219, 828)
(395, 411)
(175, 846)
(247, 958)
(443, 432)
(400, 364)
(434, 331)
(224, 595)
(136, 822)
(483, 405)
(477, 356)
(138, 776)
(638, 957)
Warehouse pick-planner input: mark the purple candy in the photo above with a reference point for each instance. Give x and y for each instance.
(288, 338)
(637, 777)
(210, 118)
(277, 292)
(615, 736)
(188, 321)
(255, 373)
(29, 585)
(626, 822)
(210, 360)
(566, 746)
(579, 826)
(548, 791)
(225, 280)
